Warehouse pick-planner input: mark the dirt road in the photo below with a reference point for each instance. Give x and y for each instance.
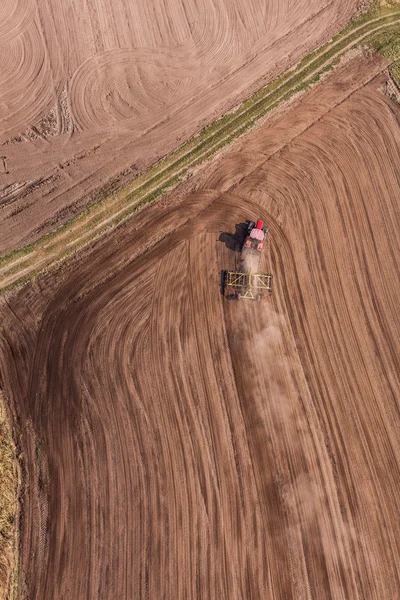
(178, 446)
(97, 91)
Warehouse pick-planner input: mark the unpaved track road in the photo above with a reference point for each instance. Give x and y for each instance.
(178, 446)
(90, 90)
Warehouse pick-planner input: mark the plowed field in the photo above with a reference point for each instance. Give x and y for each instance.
(179, 446)
(91, 91)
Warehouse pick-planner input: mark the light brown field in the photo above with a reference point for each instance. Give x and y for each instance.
(96, 91)
(197, 449)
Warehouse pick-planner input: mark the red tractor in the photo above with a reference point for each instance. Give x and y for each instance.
(256, 236)
(247, 282)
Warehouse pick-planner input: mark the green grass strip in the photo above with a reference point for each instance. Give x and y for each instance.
(395, 73)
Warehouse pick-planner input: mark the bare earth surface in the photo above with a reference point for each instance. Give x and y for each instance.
(91, 91)
(179, 446)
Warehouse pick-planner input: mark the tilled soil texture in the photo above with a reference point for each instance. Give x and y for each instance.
(92, 93)
(176, 445)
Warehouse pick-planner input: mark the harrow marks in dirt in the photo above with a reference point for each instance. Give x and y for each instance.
(193, 448)
(128, 74)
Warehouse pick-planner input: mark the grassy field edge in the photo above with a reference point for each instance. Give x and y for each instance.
(10, 481)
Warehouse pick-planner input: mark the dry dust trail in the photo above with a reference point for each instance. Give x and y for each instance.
(194, 448)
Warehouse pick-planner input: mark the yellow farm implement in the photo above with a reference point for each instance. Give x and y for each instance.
(248, 285)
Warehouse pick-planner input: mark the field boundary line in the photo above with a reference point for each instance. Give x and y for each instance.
(22, 265)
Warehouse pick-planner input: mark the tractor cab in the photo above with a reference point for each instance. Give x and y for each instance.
(256, 234)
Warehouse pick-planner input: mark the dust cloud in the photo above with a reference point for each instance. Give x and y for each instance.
(250, 262)
(307, 492)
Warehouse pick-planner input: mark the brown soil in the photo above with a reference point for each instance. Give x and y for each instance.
(194, 448)
(91, 93)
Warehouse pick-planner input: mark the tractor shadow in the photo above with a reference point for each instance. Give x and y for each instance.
(234, 242)
(222, 278)
(222, 281)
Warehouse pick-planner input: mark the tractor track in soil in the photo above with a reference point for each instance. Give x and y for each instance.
(83, 84)
(22, 265)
